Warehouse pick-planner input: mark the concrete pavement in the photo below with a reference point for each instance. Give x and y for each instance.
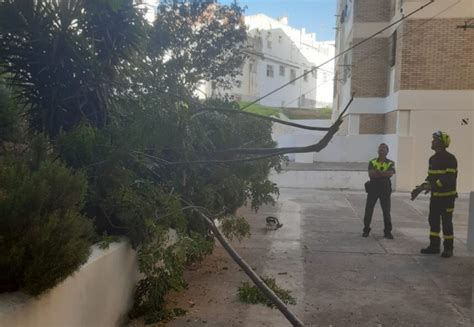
(337, 277)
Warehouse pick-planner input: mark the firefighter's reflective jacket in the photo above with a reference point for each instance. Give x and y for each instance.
(442, 174)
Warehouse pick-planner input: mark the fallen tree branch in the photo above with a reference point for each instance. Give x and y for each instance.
(252, 275)
(275, 120)
(266, 153)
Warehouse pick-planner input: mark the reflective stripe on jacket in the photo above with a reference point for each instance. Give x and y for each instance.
(442, 174)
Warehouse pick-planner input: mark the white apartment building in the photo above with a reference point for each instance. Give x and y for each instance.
(413, 79)
(278, 53)
(149, 9)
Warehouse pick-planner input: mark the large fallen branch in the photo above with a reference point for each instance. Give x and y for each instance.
(275, 120)
(249, 271)
(305, 149)
(263, 153)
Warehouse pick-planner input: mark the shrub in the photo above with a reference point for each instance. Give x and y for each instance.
(43, 236)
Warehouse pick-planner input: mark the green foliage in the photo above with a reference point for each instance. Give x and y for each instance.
(200, 41)
(296, 113)
(64, 57)
(237, 227)
(163, 262)
(9, 118)
(291, 113)
(115, 97)
(43, 238)
(105, 241)
(253, 295)
(259, 109)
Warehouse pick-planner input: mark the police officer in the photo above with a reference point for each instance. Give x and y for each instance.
(379, 187)
(441, 181)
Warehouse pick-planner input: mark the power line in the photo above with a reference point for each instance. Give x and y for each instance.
(312, 148)
(406, 35)
(339, 54)
(383, 48)
(267, 152)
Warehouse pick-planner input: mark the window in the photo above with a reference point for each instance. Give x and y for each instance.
(269, 40)
(280, 38)
(269, 71)
(393, 49)
(314, 72)
(346, 12)
(282, 70)
(305, 75)
(292, 75)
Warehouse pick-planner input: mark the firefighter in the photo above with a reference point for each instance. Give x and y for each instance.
(379, 187)
(441, 182)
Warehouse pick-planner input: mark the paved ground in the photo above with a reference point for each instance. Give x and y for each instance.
(337, 277)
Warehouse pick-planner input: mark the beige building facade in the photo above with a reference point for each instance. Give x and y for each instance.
(413, 79)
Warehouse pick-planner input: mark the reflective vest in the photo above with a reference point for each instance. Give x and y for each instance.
(382, 166)
(381, 183)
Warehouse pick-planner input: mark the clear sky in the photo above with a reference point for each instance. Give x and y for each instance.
(317, 16)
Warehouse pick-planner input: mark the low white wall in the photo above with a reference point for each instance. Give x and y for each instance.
(98, 294)
(352, 180)
(288, 136)
(351, 148)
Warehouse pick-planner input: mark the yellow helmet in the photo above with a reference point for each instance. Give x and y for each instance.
(443, 137)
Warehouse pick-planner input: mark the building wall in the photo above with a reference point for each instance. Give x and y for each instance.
(148, 8)
(417, 148)
(275, 44)
(372, 124)
(369, 68)
(390, 122)
(430, 87)
(436, 55)
(372, 10)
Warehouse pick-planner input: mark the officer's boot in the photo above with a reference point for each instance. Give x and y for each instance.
(448, 248)
(434, 247)
(366, 232)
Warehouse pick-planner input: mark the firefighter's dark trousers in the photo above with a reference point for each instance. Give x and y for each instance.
(384, 196)
(441, 211)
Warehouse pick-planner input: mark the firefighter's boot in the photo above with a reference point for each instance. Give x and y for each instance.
(434, 247)
(448, 248)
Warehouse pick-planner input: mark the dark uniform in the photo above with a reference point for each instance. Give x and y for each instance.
(379, 188)
(442, 175)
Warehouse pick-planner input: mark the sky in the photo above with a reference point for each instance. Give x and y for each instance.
(317, 16)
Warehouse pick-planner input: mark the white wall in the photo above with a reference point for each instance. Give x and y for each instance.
(98, 294)
(422, 126)
(351, 180)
